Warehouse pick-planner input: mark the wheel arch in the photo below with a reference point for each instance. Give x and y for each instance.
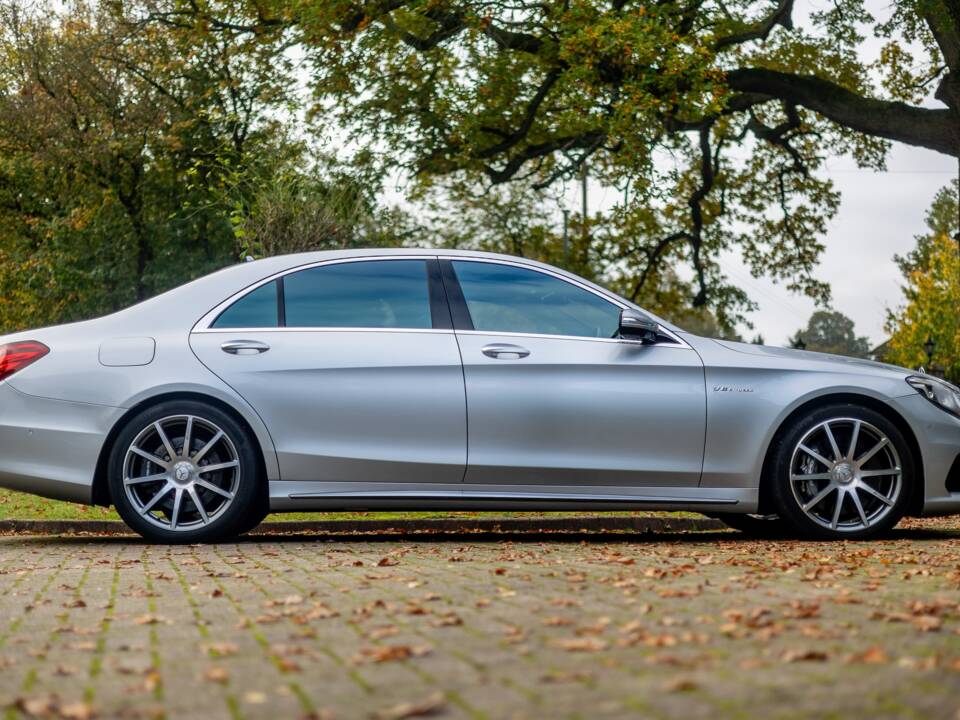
(101, 490)
(915, 506)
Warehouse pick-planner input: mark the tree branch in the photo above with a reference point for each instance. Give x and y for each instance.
(530, 116)
(588, 140)
(934, 129)
(782, 15)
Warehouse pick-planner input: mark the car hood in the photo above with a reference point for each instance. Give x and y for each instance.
(848, 363)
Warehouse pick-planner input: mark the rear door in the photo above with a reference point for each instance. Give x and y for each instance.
(554, 398)
(354, 368)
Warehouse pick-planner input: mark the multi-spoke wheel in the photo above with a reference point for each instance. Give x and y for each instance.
(183, 471)
(842, 472)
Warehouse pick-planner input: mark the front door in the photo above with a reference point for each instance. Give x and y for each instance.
(554, 398)
(353, 367)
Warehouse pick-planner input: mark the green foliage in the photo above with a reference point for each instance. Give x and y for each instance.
(711, 118)
(943, 219)
(114, 134)
(933, 293)
(832, 332)
(147, 142)
(289, 210)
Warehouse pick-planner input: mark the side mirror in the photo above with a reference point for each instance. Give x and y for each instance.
(637, 326)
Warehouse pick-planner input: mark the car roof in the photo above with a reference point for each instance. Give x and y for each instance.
(181, 307)
(295, 260)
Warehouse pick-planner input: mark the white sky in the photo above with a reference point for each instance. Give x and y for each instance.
(879, 216)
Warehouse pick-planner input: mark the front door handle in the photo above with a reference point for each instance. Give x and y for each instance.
(244, 347)
(504, 351)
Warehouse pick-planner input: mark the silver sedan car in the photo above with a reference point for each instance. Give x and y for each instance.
(456, 380)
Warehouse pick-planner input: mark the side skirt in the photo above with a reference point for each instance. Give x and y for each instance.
(293, 497)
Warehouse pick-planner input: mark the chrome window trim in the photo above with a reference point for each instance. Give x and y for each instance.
(432, 331)
(582, 338)
(204, 323)
(612, 299)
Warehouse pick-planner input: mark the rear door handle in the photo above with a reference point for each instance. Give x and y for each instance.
(504, 351)
(244, 347)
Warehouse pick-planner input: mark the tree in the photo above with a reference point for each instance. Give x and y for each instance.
(114, 136)
(524, 222)
(931, 312)
(943, 218)
(293, 210)
(832, 332)
(501, 92)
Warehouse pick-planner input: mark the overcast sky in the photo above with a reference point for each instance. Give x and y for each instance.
(879, 216)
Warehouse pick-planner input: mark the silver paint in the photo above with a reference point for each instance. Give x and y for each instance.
(427, 418)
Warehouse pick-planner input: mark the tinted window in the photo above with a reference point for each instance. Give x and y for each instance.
(255, 309)
(504, 298)
(370, 294)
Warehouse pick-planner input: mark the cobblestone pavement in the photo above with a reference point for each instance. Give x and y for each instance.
(539, 626)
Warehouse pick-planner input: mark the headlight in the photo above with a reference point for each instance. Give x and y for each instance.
(939, 392)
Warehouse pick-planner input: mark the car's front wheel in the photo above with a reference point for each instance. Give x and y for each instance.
(184, 471)
(844, 471)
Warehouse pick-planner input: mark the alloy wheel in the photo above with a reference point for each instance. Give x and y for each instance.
(846, 474)
(181, 472)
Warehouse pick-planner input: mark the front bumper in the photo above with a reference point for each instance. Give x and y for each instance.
(938, 435)
(51, 447)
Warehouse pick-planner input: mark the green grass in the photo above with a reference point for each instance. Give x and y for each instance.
(20, 506)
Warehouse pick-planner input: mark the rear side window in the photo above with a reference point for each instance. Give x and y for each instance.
(364, 294)
(505, 298)
(256, 309)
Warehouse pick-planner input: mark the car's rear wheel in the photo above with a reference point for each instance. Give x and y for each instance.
(844, 471)
(185, 471)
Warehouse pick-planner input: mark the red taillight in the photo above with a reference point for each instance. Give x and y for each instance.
(16, 356)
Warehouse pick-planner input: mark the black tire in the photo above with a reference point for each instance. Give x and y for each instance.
(227, 520)
(257, 516)
(758, 526)
(865, 429)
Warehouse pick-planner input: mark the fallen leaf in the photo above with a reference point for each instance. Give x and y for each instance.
(36, 707)
(217, 675)
(927, 623)
(389, 653)
(557, 676)
(222, 649)
(680, 685)
(871, 656)
(792, 656)
(915, 663)
(77, 711)
(449, 619)
(432, 705)
(581, 644)
(151, 619)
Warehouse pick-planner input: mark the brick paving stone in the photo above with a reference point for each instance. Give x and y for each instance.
(695, 625)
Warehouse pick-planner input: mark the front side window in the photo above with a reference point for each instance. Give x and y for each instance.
(363, 294)
(256, 309)
(505, 298)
